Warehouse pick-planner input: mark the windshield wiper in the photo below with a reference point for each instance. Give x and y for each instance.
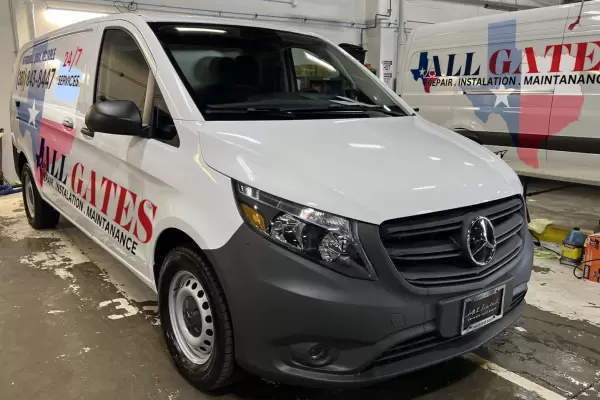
(237, 110)
(285, 111)
(290, 111)
(331, 107)
(349, 103)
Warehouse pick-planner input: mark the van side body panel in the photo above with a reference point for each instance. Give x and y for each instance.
(122, 191)
(574, 148)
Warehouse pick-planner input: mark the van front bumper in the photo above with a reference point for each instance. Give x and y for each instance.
(287, 310)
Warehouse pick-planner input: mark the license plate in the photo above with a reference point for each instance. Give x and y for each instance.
(483, 309)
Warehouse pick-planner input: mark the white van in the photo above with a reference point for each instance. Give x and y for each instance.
(293, 214)
(525, 84)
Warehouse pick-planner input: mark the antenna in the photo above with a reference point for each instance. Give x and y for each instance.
(578, 20)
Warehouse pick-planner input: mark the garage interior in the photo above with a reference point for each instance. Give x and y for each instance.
(76, 324)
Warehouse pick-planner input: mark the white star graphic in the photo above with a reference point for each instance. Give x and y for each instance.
(33, 113)
(501, 96)
(422, 72)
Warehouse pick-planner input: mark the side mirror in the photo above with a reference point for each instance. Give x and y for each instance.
(117, 117)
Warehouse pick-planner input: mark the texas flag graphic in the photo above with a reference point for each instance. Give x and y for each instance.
(50, 139)
(514, 89)
(526, 108)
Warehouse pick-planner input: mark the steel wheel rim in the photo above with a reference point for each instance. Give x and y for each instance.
(29, 196)
(191, 317)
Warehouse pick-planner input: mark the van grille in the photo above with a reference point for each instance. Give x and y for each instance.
(518, 299)
(426, 249)
(410, 347)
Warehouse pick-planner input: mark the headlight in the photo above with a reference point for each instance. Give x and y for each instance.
(324, 238)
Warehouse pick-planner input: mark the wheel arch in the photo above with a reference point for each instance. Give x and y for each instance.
(174, 234)
(20, 163)
(166, 240)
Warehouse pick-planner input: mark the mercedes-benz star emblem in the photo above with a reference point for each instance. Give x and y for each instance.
(481, 241)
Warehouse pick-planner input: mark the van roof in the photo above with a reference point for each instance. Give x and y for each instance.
(200, 19)
(172, 17)
(459, 25)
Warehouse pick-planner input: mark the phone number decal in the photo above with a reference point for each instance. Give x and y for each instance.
(36, 78)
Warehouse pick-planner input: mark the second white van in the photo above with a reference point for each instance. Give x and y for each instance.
(525, 84)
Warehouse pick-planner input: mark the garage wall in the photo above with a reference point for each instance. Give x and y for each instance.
(7, 52)
(421, 12)
(432, 11)
(349, 11)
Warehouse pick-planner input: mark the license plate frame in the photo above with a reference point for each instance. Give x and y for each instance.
(467, 327)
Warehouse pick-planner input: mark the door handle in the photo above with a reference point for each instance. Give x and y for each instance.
(87, 132)
(68, 123)
(17, 103)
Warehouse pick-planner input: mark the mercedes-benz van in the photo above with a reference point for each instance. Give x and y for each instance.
(294, 215)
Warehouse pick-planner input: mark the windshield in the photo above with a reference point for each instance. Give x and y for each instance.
(248, 73)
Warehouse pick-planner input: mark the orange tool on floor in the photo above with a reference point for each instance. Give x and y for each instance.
(591, 263)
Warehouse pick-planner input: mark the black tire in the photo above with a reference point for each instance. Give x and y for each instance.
(43, 216)
(218, 370)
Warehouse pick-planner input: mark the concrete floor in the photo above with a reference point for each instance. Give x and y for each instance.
(74, 324)
(565, 204)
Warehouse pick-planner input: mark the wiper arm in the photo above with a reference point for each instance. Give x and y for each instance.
(350, 103)
(366, 108)
(277, 110)
(246, 110)
(290, 112)
(385, 110)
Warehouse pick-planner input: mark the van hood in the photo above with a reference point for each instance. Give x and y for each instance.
(369, 170)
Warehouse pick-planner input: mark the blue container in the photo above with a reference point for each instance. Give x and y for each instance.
(9, 189)
(572, 249)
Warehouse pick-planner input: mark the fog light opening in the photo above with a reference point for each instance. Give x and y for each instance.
(318, 353)
(314, 355)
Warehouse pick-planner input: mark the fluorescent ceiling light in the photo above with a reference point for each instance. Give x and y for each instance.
(67, 17)
(425, 188)
(320, 62)
(366, 146)
(200, 30)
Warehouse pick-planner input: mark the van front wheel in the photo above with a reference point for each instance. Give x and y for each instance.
(40, 214)
(195, 319)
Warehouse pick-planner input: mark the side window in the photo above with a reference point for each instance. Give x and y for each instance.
(162, 126)
(123, 75)
(315, 74)
(122, 70)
